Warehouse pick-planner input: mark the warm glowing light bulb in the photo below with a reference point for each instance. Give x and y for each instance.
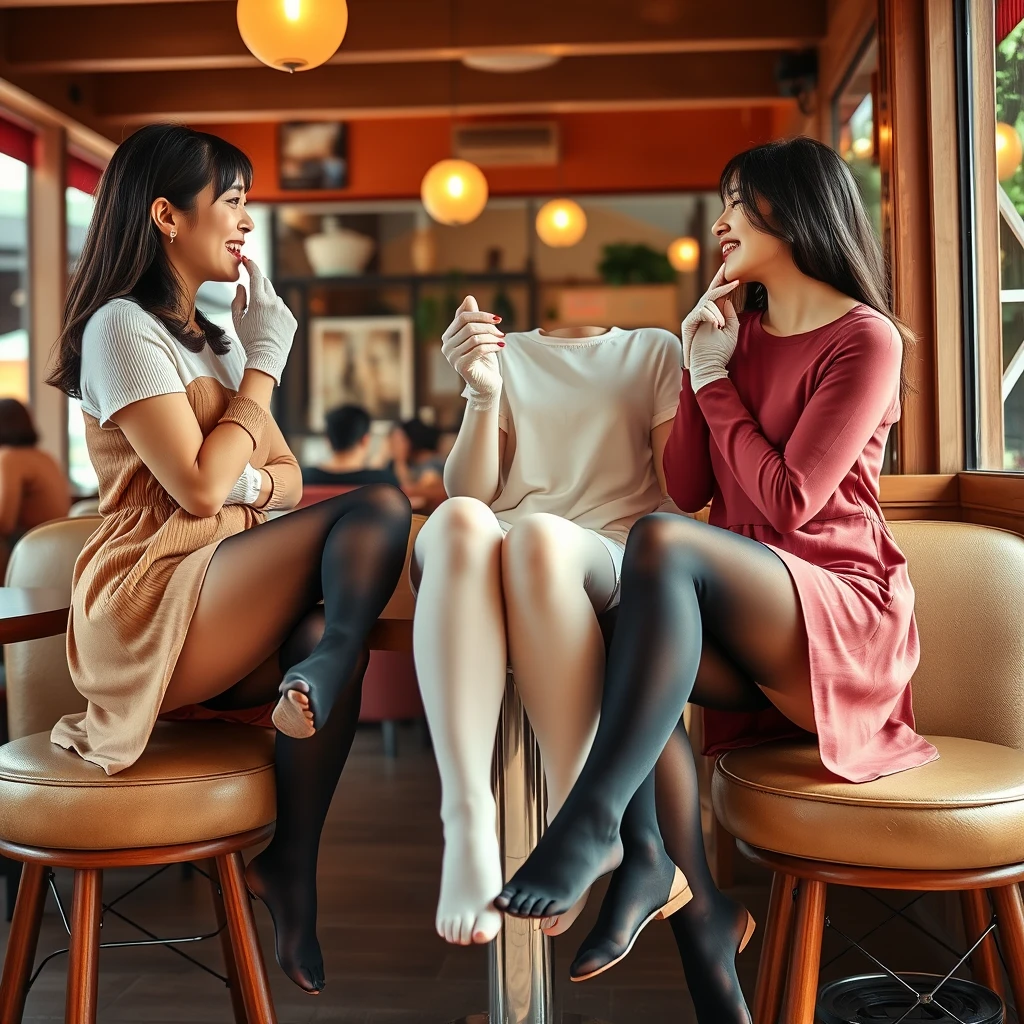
(1009, 151)
(561, 223)
(863, 148)
(292, 35)
(684, 254)
(454, 191)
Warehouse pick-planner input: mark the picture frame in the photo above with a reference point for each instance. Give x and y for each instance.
(313, 155)
(365, 361)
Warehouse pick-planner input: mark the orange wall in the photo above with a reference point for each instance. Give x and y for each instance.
(620, 151)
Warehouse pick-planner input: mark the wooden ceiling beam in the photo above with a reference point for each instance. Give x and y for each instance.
(202, 34)
(370, 90)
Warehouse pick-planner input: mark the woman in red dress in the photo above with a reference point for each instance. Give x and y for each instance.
(793, 606)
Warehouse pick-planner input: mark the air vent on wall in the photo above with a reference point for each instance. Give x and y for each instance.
(506, 145)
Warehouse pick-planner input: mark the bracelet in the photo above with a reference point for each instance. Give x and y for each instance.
(247, 414)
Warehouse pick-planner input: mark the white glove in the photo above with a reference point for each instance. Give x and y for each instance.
(265, 327)
(713, 348)
(706, 311)
(247, 488)
(471, 344)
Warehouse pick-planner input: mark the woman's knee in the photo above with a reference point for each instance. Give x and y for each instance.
(659, 539)
(460, 530)
(388, 502)
(536, 552)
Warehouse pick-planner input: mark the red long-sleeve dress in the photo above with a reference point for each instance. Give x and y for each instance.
(788, 449)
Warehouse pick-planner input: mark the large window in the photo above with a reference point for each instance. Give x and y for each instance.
(855, 128)
(14, 182)
(1009, 92)
(79, 205)
(994, 266)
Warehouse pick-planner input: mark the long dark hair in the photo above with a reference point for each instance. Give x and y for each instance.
(122, 256)
(16, 427)
(800, 191)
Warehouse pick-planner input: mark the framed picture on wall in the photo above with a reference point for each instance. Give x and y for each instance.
(313, 155)
(365, 361)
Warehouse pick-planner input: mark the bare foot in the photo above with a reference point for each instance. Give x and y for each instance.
(470, 879)
(293, 715)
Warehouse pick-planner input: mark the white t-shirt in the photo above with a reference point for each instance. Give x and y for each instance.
(128, 355)
(579, 414)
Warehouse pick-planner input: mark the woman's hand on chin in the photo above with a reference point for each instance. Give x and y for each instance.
(707, 310)
(712, 349)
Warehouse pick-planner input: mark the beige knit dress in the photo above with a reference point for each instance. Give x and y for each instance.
(137, 581)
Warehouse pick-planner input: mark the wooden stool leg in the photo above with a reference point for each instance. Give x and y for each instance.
(805, 959)
(21, 943)
(252, 975)
(84, 956)
(985, 959)
(771, 970)
(1010, 919)
(230, 964)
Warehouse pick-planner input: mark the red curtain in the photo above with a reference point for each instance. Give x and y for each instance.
(1009, 14)
(17, 142)
(82, 175)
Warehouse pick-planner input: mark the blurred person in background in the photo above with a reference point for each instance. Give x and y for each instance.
(33, 488)
(417, 462)
(348, 432)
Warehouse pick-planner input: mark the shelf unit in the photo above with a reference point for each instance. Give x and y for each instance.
(293, 398)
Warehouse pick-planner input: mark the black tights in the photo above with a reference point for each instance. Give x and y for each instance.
(262, 593)
(682, 581)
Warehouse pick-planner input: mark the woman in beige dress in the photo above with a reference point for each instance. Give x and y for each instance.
(184, 595)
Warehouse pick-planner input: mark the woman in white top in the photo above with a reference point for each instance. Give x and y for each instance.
(184, 595)
(558, 455)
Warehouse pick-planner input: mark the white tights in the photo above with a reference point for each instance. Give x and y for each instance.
(483, 598)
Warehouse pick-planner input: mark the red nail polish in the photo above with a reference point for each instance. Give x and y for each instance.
(496, 319)
(501, 344)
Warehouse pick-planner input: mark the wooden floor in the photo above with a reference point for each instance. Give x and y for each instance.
(379, 871)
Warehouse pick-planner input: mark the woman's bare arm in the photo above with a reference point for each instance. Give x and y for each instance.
(197, 472)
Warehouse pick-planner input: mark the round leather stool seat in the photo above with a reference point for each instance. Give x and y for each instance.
(965, 810)
(196, 781)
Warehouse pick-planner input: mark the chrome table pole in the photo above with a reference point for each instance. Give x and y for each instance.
(521, 967)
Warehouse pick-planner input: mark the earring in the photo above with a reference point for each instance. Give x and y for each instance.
(173, 233)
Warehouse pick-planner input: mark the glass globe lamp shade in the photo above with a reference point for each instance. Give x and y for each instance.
(1009, 151)
(454, 192)
(561, 223)
(684, 255)
(292, 35)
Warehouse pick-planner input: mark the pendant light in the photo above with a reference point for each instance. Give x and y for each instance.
(684, 254)
(561, 223)
(292, 35)
(1009, 151)
(454, 192)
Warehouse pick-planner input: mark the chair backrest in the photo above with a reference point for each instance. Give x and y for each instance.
(312, 493)
(969, 582)
(39, 687)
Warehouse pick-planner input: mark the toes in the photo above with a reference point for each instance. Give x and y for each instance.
(546, 910)
(487, 926)
(504, 898)
(521, 903)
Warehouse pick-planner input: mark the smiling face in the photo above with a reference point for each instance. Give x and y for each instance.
(208, 242)
(747, 251)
